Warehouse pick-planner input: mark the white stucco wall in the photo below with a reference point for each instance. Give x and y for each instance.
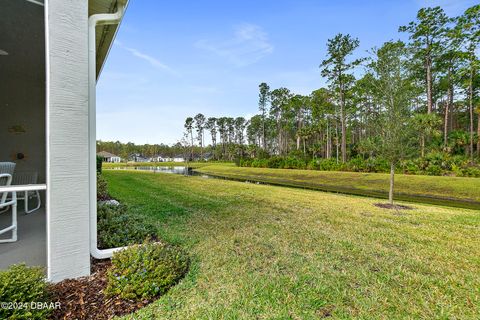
(67, 138)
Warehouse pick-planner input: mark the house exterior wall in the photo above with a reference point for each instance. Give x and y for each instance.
(68, 253)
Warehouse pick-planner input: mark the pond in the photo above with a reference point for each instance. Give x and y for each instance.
(185, 171)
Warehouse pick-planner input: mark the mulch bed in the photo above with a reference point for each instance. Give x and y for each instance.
(83, 298)
(392, 206)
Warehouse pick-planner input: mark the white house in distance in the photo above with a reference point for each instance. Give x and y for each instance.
(51, 54)
(109, 157)
(178, 158)
(161, 158)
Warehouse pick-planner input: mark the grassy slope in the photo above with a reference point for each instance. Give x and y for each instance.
(269, 252)
(464, 192)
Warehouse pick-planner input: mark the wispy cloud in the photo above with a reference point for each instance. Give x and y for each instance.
(248, 45)
(150, 59)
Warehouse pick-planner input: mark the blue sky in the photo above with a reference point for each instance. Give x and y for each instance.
(174, 59)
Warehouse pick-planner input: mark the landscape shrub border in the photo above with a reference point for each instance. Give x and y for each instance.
(119, 228)
(434, 164)
(146, 270)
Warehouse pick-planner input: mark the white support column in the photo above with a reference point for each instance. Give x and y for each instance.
(66, 31)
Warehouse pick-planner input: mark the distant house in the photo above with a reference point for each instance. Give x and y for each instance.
(178, 158)
(208, 156)
(137, 157)
(205, 157)
(109, 157)
(159, 158)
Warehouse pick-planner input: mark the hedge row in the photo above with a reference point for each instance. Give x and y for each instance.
(435, 164)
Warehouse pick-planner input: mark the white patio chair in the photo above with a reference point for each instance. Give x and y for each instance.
(20, 178)
(6, 167)
(6, 180)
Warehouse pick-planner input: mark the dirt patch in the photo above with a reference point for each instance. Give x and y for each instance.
(392, 206)
(326, 311)
(83, 298)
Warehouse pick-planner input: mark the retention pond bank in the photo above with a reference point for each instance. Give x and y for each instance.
(448, 191)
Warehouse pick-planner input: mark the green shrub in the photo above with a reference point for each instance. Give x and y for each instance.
(357, 165)
(467, 171)
(246, 162)
(145, 271)
(434, 170)
(275, 162)
(409, 167)
(378, 165)
(260, 163)
(102, 188)
(294, 163)
(117, 228)
(313, 164)
(22, 284)
(471, 172)
(99, 164)
(328, 165)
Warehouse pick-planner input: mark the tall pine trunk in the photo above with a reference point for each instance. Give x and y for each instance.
(422, 145)
(263, 131)
(191, 145)
(478, 135)
(448, 107)
(445, 125)
(470, 98)
(329, 142)
(428, 66)
(344, 133)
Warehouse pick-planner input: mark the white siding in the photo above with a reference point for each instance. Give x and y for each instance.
(68, 253)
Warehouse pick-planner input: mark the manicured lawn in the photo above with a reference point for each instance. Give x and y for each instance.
(451, 191)
(267, 252)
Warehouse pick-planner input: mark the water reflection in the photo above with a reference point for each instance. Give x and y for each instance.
(186, 171)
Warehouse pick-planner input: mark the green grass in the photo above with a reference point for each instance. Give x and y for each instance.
(451, 191)
(268, 252)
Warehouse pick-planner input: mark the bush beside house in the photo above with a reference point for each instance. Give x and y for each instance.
(22, 288)
(118, 228)
(146, 271)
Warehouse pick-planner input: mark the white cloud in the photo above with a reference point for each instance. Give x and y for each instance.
(150, 59)
(248, 45)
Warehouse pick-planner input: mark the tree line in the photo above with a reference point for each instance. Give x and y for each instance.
(125, 150)
(434, 76)
(411, 99)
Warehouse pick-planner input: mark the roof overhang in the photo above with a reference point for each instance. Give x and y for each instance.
(105, 34)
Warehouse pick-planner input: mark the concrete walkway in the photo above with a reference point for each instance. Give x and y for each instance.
(31, 246)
